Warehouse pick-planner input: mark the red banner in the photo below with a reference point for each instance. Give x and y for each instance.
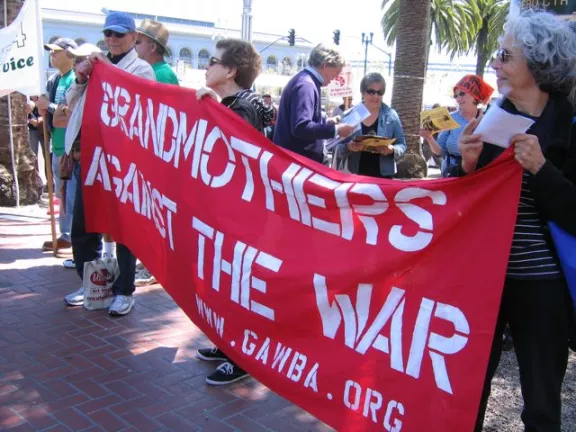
(369, 303)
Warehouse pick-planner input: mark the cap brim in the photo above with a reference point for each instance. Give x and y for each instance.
(80, 53)
(117, 28)
(53, 47)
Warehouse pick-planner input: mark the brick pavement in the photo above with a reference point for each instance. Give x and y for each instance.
(68, 369)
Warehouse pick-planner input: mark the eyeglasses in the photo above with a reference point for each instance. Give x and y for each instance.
(110, 33)
(459, 94)
(214, 61)
(372, 92)
(503, 55)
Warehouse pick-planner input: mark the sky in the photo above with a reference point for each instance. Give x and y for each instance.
(314, 20)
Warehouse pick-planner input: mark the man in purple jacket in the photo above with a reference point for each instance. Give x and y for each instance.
(300, 126)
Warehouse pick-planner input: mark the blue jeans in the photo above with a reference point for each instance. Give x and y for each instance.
(64, 220)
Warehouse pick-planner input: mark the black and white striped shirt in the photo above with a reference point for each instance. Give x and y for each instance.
(265, 112)
(530, 257)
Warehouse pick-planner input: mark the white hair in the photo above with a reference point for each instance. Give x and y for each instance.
(549, 46)
(325, 55)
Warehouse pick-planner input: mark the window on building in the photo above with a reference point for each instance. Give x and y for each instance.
(272, 63)
(185, 56)
(302, 63)
(287, 66)
(203, 59)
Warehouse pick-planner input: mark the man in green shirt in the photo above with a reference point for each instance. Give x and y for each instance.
(57, 87)
(152, 46)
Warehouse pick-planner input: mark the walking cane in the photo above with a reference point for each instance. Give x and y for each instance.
(49, 179)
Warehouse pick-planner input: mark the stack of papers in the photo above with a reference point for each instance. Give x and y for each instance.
(354, 117)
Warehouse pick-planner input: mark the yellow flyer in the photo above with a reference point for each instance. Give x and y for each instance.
(375, 141)
(437, 120)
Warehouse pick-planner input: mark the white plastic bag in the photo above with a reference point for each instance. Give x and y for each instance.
(99, 277)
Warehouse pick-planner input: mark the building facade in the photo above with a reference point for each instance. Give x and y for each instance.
(192, 42)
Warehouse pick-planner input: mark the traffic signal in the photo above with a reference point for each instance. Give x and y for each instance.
(291, 37)
(337, 37)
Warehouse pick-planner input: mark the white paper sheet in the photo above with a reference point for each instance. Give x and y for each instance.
(498, 126)
(352, 117)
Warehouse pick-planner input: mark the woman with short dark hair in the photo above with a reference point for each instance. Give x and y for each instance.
(241, 56)
(229, 76)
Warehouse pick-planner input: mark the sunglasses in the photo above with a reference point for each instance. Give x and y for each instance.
(459, 94)
(372, 92)
(110, 33)
(503, 56)
(214, 61)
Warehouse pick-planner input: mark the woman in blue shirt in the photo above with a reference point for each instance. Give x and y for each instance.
(470, 91)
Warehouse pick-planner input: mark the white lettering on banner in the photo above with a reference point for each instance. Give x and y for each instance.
(418, 215)
(98, 171)
(370, 403)
(304, 192)
(286, 361)
(356, 319)
(121, 103)
(213, 320)
(133, 188)
(240, 269)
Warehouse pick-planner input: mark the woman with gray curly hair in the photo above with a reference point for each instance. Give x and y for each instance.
(536, 70)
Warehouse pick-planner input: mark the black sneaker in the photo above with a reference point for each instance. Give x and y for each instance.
(211, 354)
(226, 373)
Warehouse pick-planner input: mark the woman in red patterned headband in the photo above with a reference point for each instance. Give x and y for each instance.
(469, 92)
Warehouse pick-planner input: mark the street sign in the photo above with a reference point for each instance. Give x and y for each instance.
(341, 86)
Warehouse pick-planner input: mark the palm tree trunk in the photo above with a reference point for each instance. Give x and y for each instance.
(429, 47)
(25, 160)
(481, 49)
(412, 44)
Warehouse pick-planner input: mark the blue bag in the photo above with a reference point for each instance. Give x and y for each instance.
(566, 249)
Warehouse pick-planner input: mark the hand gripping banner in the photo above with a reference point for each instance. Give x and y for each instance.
(370, 303)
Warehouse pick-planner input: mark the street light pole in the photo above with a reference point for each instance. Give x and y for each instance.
(247, 21)
(389, 58)
(366, 41)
